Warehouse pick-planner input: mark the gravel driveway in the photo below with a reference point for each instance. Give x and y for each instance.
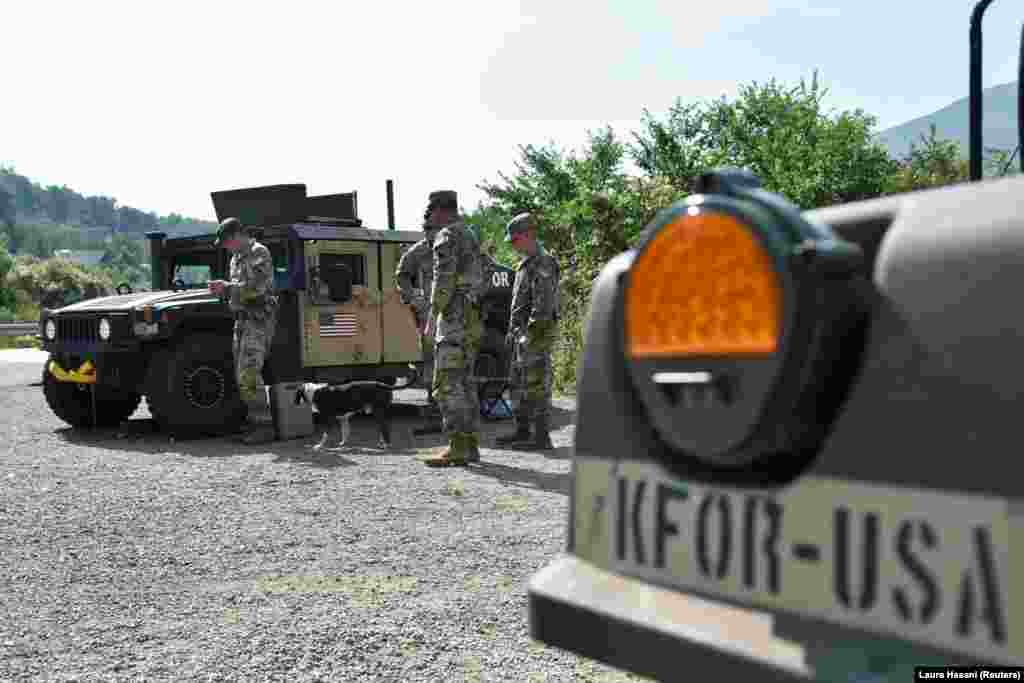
(127, 556)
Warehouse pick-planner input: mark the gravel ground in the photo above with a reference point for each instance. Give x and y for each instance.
(128, 556)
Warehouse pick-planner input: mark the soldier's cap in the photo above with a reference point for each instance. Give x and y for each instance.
(519, 224)
(228, 228)
(444, 199)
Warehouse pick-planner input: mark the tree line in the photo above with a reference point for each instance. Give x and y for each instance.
(38, 219)
(594, 202)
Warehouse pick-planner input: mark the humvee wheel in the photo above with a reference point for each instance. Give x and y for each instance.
(191, 388)
(72, 403)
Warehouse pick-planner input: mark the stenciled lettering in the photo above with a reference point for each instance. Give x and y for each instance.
(771, 514)
(981, 602)
(723, 512)
(666, 527)
(912, 537)
(845, 560)
(630, 522)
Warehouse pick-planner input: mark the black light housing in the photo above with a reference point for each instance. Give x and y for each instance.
(728, 407)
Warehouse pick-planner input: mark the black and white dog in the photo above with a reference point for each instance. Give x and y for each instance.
(337, 403)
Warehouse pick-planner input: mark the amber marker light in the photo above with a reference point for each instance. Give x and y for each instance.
(703, 285)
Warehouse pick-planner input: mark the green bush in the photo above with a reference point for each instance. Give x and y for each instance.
(57, 282)
(22, 342)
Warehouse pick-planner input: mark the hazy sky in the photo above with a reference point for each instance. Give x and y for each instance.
(158, 104)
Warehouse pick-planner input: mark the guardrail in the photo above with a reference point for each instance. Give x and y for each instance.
(18, 329)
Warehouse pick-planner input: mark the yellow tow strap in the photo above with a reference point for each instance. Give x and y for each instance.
(85, 374)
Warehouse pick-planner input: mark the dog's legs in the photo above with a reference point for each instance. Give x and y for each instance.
(345, 429)
(328, 428)
(383, 426)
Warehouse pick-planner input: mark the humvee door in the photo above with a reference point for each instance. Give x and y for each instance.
(397, 321)
(341, 307)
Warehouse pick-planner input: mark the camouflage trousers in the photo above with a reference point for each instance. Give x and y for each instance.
(531, 384)
(253, 337)
(427, 349)
(455, 387)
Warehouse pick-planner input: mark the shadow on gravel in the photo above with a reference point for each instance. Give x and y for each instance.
(560, 453)
(556, 482)
(143, 436)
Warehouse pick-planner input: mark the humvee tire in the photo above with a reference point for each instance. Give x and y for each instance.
(72, 403)
(191, 388)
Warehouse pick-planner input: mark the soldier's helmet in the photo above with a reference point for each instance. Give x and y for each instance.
(228, 228)
(519, 224)
(444, 199)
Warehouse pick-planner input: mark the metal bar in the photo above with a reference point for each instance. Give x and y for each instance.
(391, 204)
(18, 329)
(974, 103)
(1020, 100)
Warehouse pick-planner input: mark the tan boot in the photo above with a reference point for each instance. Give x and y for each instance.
(454, 455)
(472, 447)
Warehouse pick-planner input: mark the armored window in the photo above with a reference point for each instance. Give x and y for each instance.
(355, 263)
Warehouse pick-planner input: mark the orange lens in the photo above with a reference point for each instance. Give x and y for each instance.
(704, 285)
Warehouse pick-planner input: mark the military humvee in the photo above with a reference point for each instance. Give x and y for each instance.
(796, 437)
(173, 344)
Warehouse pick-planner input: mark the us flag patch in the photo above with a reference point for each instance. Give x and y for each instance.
(338, 325)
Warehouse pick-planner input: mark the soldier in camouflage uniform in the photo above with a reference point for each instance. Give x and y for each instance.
(418, 263)
(250, 296)
(455, 316)
(532, 331)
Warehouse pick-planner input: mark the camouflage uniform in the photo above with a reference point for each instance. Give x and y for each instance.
(533, 328)
(418, 262)
(250, 295)
(454, 305)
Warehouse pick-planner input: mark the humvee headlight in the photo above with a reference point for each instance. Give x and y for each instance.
(731, 300)
(50, 329)
(104, 329)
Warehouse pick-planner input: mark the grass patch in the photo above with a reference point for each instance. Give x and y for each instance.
(362, 590)
(511, 503)
(453, 487)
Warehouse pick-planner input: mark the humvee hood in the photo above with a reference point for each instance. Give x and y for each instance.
(126, 302)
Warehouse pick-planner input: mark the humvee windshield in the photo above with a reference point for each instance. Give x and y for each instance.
(194, 271)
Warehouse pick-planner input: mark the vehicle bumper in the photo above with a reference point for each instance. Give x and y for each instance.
(90, 348)
(663, 634)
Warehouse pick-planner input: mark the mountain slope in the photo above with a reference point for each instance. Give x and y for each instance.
(999, 123)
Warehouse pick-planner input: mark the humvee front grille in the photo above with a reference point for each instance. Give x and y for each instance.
(78, 329)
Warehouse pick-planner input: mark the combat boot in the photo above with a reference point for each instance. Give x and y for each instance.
(472, 447)
(260, 422)
(454, 455)
(521, 434)
(541, 435)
